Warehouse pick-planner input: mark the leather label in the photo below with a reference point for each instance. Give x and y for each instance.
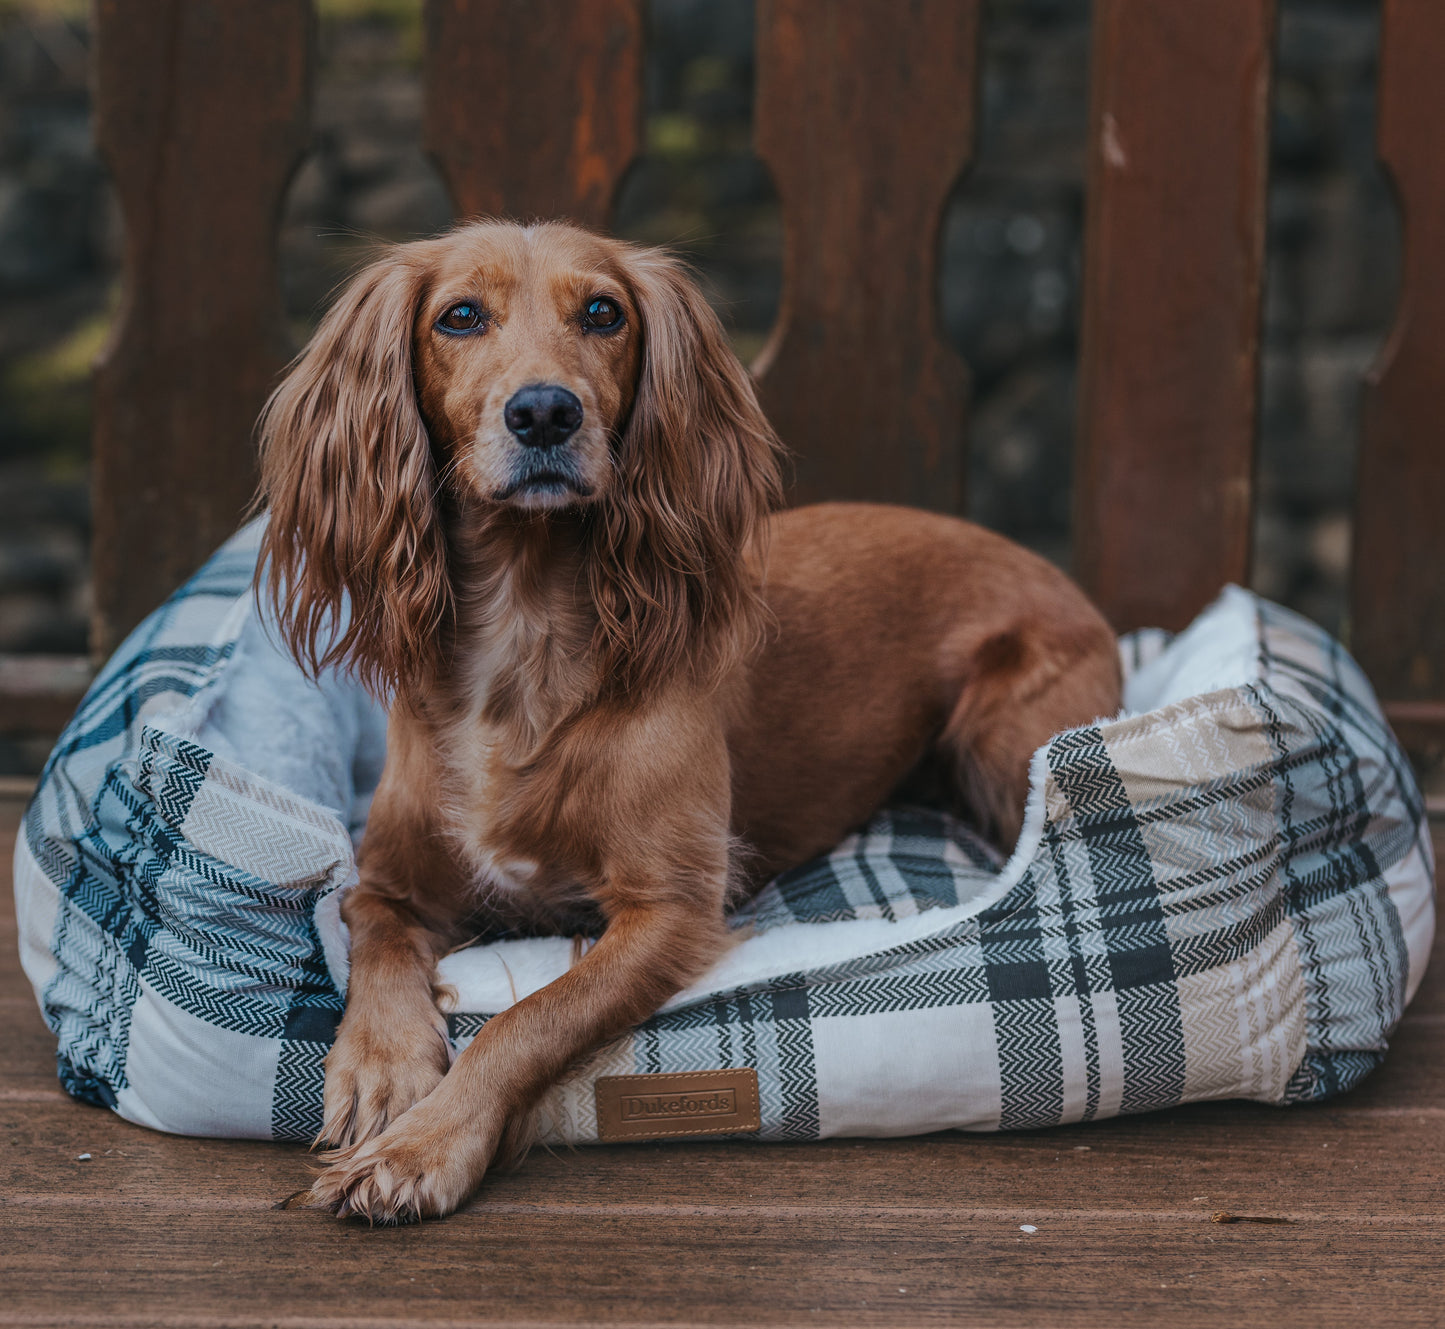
(662, 1107)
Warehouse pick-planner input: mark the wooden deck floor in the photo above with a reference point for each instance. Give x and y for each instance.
(157, 1230)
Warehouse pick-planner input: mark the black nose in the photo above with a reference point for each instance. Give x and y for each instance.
(543, 415)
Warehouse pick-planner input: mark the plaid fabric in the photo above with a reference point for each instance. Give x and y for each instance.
(1225, 892)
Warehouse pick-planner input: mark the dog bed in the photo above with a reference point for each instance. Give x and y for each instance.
(1224, 892)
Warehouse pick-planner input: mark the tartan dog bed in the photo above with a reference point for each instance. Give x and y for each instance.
(1224, 892)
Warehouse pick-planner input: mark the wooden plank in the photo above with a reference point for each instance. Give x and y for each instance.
(201, 114)
(1398, 601)
(1173, 270)
(534, 107)
(27, 1053)
(28, 1045)
(704, 1263)
(865, 115)
(1223, 1155)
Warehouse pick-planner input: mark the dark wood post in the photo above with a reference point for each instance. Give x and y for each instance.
(1398, 614)
(865, 115)
(1173, 274)
(201, 113)
(534, 107)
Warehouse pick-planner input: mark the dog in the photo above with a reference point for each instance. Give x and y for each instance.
(519, 483)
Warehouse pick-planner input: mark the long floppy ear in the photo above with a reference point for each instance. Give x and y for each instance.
(698, 471)
(347, 473)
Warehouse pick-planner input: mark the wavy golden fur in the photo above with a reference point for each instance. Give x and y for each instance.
(357, 512)
(519, 483)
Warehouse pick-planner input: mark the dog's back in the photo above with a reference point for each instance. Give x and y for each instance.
(904, 638)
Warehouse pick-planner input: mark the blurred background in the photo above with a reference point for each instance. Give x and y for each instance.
(1007, 298)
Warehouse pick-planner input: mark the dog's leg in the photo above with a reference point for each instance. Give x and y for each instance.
(430, 1161)
(645, 796)
(1025, 687)
(392, 1048)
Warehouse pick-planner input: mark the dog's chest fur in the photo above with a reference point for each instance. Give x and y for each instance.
(520, 669)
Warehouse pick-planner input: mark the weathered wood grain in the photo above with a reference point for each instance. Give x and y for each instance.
(533, 107)
(1167, 1164)
(865, 115)
(1173, 270)
(704, 1264)
(27, 1052)
(1398, 602)
(201, 114)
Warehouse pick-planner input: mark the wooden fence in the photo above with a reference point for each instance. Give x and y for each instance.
(865, 113)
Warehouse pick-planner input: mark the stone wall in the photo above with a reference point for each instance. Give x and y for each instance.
(1008, 295)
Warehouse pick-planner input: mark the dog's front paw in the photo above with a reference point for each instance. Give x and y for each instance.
(377, 1070)
(423, 1166)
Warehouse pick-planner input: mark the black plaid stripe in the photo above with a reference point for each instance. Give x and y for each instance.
(1083, 981)
(1130, 920)
(1030, 1062)
(306, 1038)
(965, 985)
(296, 1099)
(909, 840)
(814, 894)
(89, 1006)
(1338, 688)
(1326, 861)
(876, 892)
(463, 1027)
(791, 1014)
(182, 769)
(725, 1032)
(1153, 1037)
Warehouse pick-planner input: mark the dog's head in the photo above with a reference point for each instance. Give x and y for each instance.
(503, 370)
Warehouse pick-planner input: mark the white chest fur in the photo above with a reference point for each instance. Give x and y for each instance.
(516, 639)
(473, 750)
(472, 755)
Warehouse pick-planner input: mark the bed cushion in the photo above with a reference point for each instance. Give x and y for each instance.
(1226, 891)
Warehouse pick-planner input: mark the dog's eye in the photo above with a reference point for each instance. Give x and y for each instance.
(602, 314)
(465, 317)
